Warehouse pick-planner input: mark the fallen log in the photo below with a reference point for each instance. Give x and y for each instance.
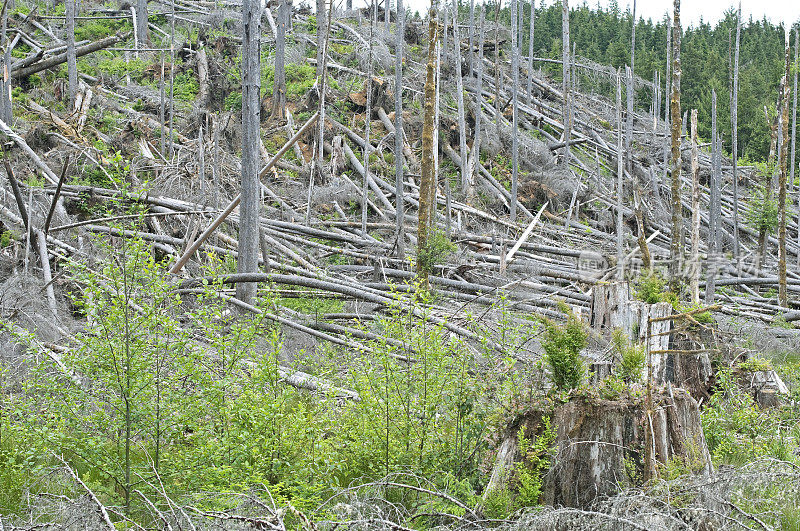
(26, 71)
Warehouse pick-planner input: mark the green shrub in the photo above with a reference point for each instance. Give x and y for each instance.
(651, 288)
(562, 346)
(763, 212)
(436, 250)
(632, 357)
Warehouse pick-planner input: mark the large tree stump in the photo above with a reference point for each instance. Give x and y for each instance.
(600, 445)
(613, 307)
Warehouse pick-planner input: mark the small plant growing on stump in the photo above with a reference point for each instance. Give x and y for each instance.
(562, 346)
(632, 357)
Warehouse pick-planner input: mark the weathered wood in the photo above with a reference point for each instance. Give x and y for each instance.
(694, 255)
(676, 245)
(783, 297)
(62, 58)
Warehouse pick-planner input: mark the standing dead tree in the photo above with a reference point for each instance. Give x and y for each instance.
(142, 30)
(515, 109)
(529, 92)
(566, 86)
(783, 297)
(427, 185)
(279, 85)
(462, 125)
(251, 125)
(676, 246)
(399, 156)
(694, 260)
(620, 177)
(72, 62)
(714, 206)
(735, 136)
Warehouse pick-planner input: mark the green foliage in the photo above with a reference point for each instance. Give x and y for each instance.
(763, 211)
(5, 239)
(185, 86)
(652, 288)
(632, 357)
(737, 432)
(755, 364)
(525, 479)
(437, 249)
(562, 346)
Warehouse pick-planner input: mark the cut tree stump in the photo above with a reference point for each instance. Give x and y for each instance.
(613, 307)
(599, 446)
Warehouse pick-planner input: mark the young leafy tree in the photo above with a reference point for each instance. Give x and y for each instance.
(251, 139)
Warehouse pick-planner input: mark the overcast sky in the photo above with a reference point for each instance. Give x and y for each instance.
(691, 11)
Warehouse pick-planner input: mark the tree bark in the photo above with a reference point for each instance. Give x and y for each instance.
(566, 86)
(515, 110)
(714, 207)
(620, 177)
(279, 86)
(462, 124)
(530, 52)
(368, 116)
(735, 137)
(251, 123)
(141, 23)
(72, 64)
(475, 153)
(676, 247)
(427, 187)
(399, 157)
(783, 298)
(694, 261)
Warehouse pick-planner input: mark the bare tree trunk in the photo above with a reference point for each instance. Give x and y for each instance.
(320, 37)
(251, 124)
(368, 117)
(322, 80)
(530, 52)
(279, 86)
(72, 62)
(141, 23)
(667, 96)
(676, 248)
(694, 261)
(620, 177)
(792, 158)
(5, 99)
(633, 38)
(388, 14)
(566, 86)
(783, 298)
(714, 205)
(515, 110)
(427, 185)
(498, 77)
(735, 137)
(471, 55)
(475, 154)
(399, 157)
(628, 120)
(462, 124)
